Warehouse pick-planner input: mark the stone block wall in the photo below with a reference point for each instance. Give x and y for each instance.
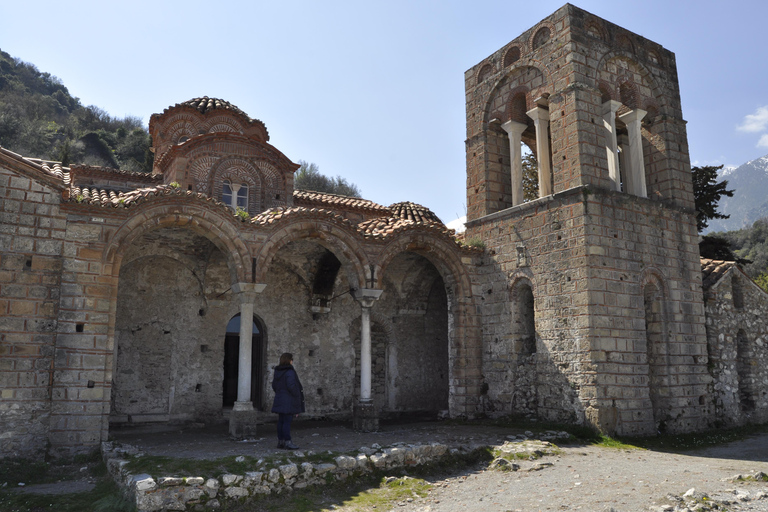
(647, 315)
(542, 245)
(32, 230)
(588, 258)
(737, 341)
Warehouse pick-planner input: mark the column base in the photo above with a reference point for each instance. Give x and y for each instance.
(364, 418)
(242, 406)
(242, 422)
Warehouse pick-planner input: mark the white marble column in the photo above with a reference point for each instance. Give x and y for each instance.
(611, 142)
(635, 175)
(540, 118)
(366, 297)
(514, 132)
(246, 295)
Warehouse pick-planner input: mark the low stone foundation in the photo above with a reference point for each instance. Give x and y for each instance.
(198, 493)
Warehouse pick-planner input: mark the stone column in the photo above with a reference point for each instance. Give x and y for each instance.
(515, 131)
(364, 418)
(242, 419)
(611, 144)
(540, 118)
(635, 175)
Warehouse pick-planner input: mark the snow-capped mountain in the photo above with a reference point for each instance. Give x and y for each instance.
(750, 198)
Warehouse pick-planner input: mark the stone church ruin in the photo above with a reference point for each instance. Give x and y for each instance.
(130, 298)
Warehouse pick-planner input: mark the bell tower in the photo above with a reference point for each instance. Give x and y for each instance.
(608, 245)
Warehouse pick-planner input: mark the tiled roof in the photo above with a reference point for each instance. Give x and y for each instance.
(50, 168)
(110, 173)
(415, 212)
(713, 270)
(276, 214)
(385, 226)
(311, 198)
(116, 199)
(206, 104)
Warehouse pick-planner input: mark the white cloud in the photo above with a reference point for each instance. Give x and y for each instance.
(756, 122)
(763, 142)
(458, 224)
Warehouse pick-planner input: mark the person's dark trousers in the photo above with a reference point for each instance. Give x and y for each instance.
(284, 426)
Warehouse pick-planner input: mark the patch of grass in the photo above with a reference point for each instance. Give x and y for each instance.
(696, 440)
(612, 442)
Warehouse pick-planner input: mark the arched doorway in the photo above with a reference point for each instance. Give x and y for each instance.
(231, 360)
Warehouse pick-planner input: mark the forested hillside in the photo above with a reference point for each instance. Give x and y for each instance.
(752, 244)
(40, 118)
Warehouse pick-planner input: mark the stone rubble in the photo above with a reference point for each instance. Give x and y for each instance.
(152, 494)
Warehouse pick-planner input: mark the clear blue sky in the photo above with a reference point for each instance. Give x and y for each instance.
(374, 91)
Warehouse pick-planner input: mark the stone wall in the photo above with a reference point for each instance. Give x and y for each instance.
(32, 230)
(737, 341)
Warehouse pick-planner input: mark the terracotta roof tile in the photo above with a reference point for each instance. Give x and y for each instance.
(312, 198)
(415, 212)
(276, 214)
(206, 104)
(110, 173)
(713, 270)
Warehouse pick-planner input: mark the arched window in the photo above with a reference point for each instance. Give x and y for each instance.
(234, 195)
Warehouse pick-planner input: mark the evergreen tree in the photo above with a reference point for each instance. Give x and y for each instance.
(707, 192)
(308, 177)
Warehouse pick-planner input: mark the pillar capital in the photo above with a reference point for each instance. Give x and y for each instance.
(246, 292)
(538, 114)
(367, 296)
(611, 106)
(514, 128)
(633, 116)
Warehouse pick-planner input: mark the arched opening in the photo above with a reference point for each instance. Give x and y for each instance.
(414, 365)
(232, 362)
(523, 330)
(524, 327)
(169, 302)
(745, 371)
(658, 372)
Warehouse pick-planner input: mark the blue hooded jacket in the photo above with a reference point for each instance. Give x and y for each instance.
(289, 394)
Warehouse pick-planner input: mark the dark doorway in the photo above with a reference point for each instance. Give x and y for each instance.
(231, 358)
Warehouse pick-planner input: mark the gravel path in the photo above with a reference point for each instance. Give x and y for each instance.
(606, 479)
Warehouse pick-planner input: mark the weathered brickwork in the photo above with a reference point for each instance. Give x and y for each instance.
(31, 239)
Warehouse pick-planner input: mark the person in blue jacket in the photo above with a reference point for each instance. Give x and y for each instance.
(289, 399)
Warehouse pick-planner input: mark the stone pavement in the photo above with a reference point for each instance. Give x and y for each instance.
(211, 442)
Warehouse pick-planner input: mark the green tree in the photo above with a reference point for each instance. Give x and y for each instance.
(308, 177)
(707, 192)
(530, 177)
(762, 281)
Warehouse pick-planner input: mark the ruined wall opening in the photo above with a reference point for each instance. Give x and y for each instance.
(737, 292)
(232, 363)
(656, 353)
(308, 310)
(415, 360)
(167, 366)
(745, 372)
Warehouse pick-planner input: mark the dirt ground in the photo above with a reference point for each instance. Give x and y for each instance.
(593, 478)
